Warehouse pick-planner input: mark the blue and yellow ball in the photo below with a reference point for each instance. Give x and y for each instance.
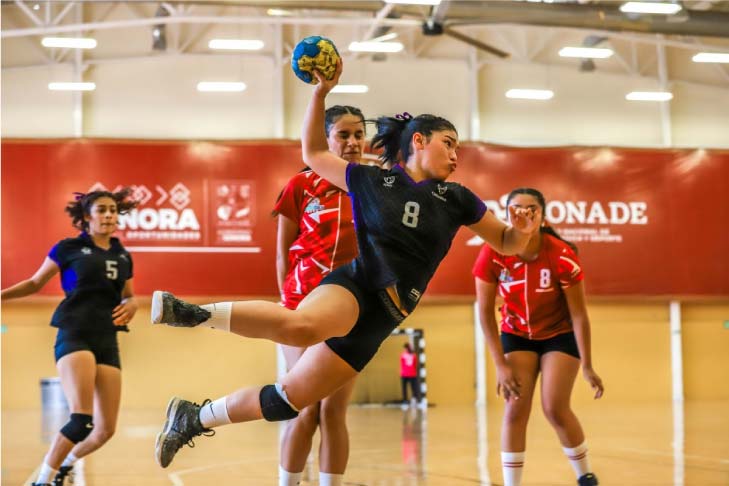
(314, 52)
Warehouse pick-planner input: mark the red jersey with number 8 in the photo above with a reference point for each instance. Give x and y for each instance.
(533, 291)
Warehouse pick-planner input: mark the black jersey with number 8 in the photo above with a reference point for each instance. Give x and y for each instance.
(405, 228)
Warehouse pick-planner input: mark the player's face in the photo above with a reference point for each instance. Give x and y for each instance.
(440, 157)
(347, 138)
(525, 201)
(103, 217)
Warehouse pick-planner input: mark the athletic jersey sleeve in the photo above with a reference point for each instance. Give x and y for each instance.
(484, 267)
(356, 174)
(473, 207)
(57, 253)
(569, 268)
(290, 201)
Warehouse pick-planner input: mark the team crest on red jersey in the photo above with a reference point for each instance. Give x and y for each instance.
(505, 276)
(314, 206)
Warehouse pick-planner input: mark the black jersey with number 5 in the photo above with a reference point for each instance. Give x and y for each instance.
(405, 228)
(92, 279)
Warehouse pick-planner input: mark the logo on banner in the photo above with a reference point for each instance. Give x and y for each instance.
(583, 221)
(151, 221)
(232, 211)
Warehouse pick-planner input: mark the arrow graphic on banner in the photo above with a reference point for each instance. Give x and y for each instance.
(163, 196)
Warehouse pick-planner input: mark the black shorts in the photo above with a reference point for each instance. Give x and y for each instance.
(564, 343)
(377, 319)
(104, 345)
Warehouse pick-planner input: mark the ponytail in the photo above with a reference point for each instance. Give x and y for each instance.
(395, 133)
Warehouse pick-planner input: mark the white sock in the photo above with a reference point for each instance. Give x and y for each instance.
(327, 479)
(512, 465)
(70, 460)
(220, 318)
(286, 478)
(578, 459)
(214, 414)
(46, 474)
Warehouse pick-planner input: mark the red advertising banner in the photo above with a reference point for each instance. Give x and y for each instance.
(648, 222)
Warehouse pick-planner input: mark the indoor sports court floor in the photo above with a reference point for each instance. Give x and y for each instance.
(631, 444)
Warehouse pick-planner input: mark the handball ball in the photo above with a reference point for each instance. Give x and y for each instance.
(314, 52)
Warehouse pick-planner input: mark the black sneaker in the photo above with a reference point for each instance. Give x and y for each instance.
(167, 309)
(63, 473)
(588, 479)
(182, 425)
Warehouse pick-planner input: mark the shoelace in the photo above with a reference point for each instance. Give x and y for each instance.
(63, 473)
(204, 432)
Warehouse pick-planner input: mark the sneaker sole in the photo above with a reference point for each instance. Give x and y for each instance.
(162, 436)
(157, 306)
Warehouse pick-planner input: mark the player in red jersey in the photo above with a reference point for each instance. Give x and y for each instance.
(544, 328)
(315, 236)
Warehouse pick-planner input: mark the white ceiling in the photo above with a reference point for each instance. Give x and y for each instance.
(124, 31)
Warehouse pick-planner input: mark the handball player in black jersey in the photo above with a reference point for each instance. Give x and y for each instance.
(405, 220)
(96, 276)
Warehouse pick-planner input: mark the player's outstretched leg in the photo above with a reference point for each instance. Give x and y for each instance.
(182, 425)
(167, 309)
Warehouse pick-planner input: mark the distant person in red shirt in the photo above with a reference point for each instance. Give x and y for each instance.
(315, 236)
(409, 373)
(544, 328)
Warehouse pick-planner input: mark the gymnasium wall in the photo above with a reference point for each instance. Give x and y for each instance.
(156, 98)
(631, 352)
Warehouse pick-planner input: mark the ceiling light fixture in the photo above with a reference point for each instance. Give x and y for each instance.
(586, 52)
(649, 96)
(236, 44)
(60, 86)
(278, 12)
(530, 94)
(719, 57)
(662, 8)
(370, 46)
(69, 42)
(221, 86)
(351, 88)
(414, 2)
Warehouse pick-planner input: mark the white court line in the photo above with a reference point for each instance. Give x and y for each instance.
(32, 477)
(670, 454)
(78, 469)
(175, 476)
(193, 249)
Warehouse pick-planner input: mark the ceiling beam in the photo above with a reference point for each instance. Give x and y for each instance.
(122, 24)
(28, 12)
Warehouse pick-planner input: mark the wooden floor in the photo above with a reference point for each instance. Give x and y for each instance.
(630, 444)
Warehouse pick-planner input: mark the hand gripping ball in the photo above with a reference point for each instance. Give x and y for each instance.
(314, 52)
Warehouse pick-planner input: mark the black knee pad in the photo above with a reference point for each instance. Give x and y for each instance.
(273, 407)
(78, 428)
